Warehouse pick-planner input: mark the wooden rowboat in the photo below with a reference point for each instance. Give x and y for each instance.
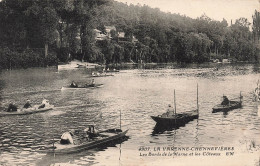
(104, 137)
(27, 111)
(111, 71)
(82, 87)
(232, 105)
(176, 120)
(102, 75)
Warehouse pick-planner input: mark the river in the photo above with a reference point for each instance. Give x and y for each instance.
(138, 93)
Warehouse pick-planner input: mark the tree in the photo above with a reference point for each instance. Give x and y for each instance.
(256, 26)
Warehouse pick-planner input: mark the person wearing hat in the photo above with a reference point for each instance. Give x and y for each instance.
(225, 101)
(27, 104)
(12, 107)
(170, 110)
(66, 138)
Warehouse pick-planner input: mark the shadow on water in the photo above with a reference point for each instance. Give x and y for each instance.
(161, 128)
(225, 113)
(88, 156)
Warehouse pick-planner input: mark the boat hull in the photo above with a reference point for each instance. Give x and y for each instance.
(102, 75)
(225, 108)
(66, 149)
(112, 71)
(26, 111)
(180, 119)
(85, 87)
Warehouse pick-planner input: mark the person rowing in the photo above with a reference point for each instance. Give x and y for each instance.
(27, 104)
(225, 101)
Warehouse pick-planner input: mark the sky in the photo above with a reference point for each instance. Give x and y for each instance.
(215, 9)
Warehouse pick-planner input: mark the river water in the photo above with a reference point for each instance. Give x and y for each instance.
(138, 93)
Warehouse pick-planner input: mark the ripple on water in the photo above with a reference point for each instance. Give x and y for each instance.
(138, 94)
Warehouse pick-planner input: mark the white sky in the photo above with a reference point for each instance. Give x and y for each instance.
(215, 9)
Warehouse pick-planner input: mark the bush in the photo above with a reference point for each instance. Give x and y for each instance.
(27, 58)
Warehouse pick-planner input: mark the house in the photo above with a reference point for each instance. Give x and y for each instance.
(226, 61)
(108, 31)
(99, 35)
(134, 39)
(121, 34)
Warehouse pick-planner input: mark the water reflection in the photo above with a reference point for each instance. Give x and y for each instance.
(161, 128)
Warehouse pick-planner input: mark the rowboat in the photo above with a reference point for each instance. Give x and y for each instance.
(111, 71)
(172, 118)
(82, 87)
(102, 75)
(232, 105)
(104, 137)
(27, 111)
(176, 120)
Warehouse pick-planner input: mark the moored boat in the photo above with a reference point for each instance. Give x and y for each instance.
(102, 75)
(82, 87)
(111, 71)
(27, 111)
(103, 137)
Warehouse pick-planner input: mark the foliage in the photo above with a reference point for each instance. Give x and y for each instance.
(65, 27)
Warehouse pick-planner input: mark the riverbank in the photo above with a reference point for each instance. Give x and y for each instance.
(75, 64)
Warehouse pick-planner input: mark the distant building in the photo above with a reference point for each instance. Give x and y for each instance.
(134, 40)
(226, 60)
(99, 35)
(108, 30)
(121, 34)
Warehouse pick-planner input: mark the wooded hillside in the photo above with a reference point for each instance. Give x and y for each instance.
(43, 32)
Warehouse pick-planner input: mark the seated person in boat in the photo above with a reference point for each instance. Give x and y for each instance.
(170, 111)
(91, 132)
(27, 104)
(45, 103)
(12, 107)
(225, 101)
(73, 85)
(92, 83)
(66, 138)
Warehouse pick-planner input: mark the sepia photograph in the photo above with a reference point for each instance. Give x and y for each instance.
(130, 82)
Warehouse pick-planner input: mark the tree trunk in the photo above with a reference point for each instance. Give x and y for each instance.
(46, 54)
(46, 50)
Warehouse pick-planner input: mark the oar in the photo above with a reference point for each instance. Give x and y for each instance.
(175, 107)
(120, 119)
